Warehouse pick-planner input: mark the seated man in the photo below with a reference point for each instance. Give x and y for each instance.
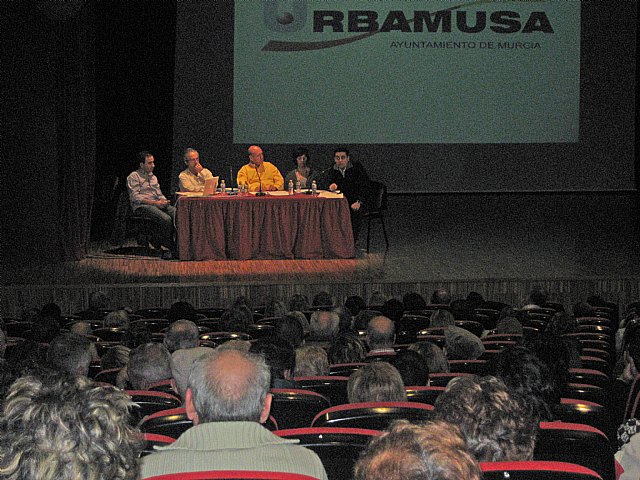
(148, 364)
(227, 398)
(376, 382)
(70, 353)
(193, 177)
(66, 427)
(148, 200)
(431, 451)
(352, 180)
(258, 174)
(381, 335)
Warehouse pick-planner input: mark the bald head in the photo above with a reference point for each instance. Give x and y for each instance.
(228, 385)
(324, 326)
(380, 333)
(256, 157)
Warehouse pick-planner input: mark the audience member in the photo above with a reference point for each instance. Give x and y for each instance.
(181, 334)
(412, 367)
(137, 334)
(67, 428)
(281, 358)
(561, 323)
(508, 325)
(275, 308)
(376, 382)
(98, 304)
(115, 357)
(236, 319)
(496, 425)
(376, 299)
(537, 298)
(583, 309)
(355, 304)
(347, 348)
(381, 334)
(474, 300)
(182, 361)
(148, 364)
(182, 310)
(227, 398)
(361, 320)
(434, 450)
(117, 318)
(298, 303)
(413, 302)
(441, 297)
(393, 309)
(442, 319)
(311, 361)
(70, 353)
(81, 328)
(290, 328)
(324, 326)
(433, 355)
(346, 319)
(460, 344)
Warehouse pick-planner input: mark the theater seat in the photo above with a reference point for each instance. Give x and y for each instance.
(333, 387)
(149, 402)
(233, 474)
(171, 423)
(151, 440)
(338, 448)
(536, 470)
(344, 369)
(296, 408)
(372, 415)
(576, 443)
(423, 394)
(587, 413)
(443, 379)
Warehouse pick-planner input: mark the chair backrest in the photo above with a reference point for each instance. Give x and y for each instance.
(536, 470)
(218, 338)
(332, 387)
(576, 443)
(476, 367)
(378, 199)
(572, 410)
(589, 393)
(151, 440)
(471, 326)
(632, 399)
(107, 376)
(443, 379)
(589, 376)
(110, 334)
(149, 402)
(595, 363)
(233, 474)
(344, 369)
(171, 423)
(152, 312)
(296, 408)
(211, 312)
(155, 325)
(338, 448)
(424, 394)
(166, 386)
(371, 415)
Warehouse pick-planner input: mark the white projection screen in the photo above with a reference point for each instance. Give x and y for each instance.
(432, 96)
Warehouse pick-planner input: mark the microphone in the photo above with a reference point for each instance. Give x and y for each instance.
(260, 193)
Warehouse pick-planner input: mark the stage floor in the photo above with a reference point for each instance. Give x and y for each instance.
(461, 241)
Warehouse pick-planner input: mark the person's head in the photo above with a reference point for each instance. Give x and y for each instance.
(341, 157)
(376, 382)
(381, 333)
(137, 334)
(191, 159)
(538, 296)
(236, 319)
(66, 427)
(583, 309)
(98, 301)
(346, 319)
(256, 157)
(275, 308)
(69, 353)
(412, 367)
(181, 334)
(117, 318)
(347, 348)
(377, 299)
(279, 355)
(324, 326)
(148, 364)
(441, 297)
(146, 161)
(561, 323)
(460, 344)
(116, 357)
(393, 309)
(413, 301)
(355, 304)
(81, 328)
(298, 302)
(182, 311)
(474, 300)
(433, 355)
(228, 385)
(434, 450)
(442, 318)
(323, 299)
(290, 328)
(362, 319)
(496, 425)
(508, 325)
(300, 157)
(311, 361)
(528, 377)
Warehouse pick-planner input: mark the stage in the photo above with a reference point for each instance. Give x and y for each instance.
(500, 245)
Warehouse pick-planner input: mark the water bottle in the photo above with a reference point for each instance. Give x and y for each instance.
(314, 188)
(223, 187)
(290, 187)
(298, 187)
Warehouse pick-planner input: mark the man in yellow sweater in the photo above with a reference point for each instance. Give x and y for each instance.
(258, 174)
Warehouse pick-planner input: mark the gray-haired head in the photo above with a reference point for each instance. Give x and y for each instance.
(229, 385)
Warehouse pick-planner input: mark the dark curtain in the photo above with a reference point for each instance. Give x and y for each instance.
(75, 126)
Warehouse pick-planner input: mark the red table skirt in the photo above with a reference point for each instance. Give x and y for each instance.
(271, 227)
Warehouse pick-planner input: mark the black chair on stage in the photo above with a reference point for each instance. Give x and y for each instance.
(376, 209)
